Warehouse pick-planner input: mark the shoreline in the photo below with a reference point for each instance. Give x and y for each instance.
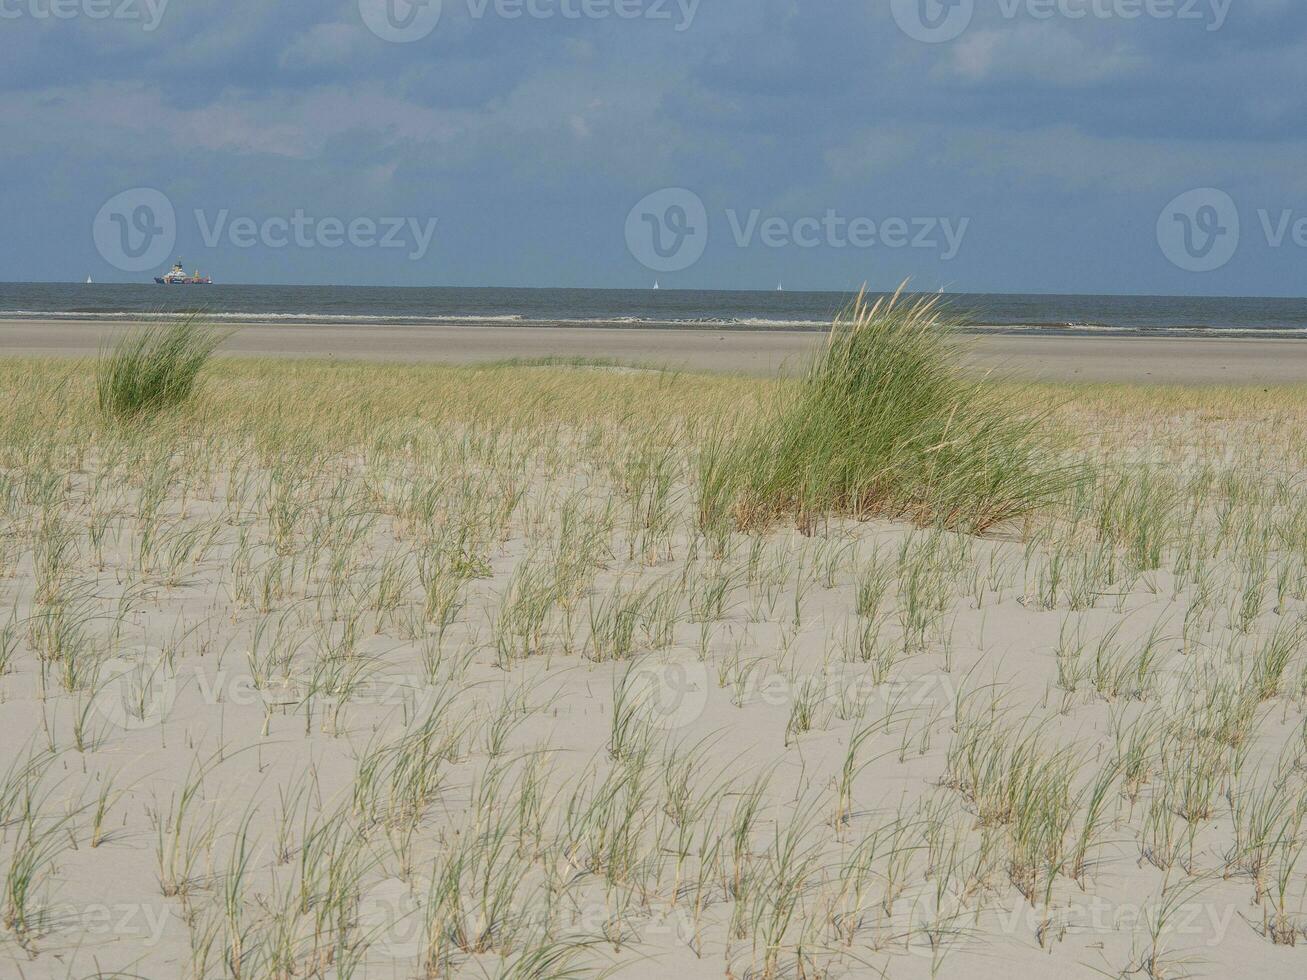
(362, 321)
(1116, 358)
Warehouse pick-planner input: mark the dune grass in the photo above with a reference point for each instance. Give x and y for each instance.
(886, 424)
(154, 367)
(411, 670)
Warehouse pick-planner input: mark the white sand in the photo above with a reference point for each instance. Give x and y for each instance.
(223, 662)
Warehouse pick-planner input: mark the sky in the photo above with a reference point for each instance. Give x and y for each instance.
(1058, 146)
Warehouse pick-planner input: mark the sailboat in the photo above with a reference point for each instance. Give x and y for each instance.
(780, 288)
(656, 286)
(88, 281)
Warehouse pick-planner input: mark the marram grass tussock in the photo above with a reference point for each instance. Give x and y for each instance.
(886, 424)
(154, 367)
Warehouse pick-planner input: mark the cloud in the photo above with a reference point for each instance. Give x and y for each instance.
(322, 46)
(1043, 53)
(513, 129)
(874, 152)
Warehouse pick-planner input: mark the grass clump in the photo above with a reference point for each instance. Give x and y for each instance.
(154, 367)
(884, 423)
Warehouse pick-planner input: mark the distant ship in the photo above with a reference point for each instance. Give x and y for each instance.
(178, 277)
(88, 281)
(656, 286)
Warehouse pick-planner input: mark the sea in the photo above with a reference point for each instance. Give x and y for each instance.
(649, 308)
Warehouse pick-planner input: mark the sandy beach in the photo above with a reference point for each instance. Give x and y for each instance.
(355, 664)
(1107, 358)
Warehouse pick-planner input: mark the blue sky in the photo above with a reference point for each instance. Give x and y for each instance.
(1048, 136)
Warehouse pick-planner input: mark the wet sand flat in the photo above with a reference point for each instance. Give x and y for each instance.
(1123, 359)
